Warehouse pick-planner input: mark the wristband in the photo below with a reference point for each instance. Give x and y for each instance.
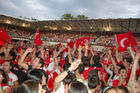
(68, 71)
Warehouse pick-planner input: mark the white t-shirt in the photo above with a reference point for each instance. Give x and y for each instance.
(110, 80)
(52, 67)
(12, 78)
(60, 89)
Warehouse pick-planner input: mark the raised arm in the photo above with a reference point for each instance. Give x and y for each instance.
(74, 49)
(7, 52)
(42, 51)
(60, 50)
(118, 55)
(131, 52)
(86, 49)
(112, 60)
(79, 52)
(92, 51)
(134, 67)
(21, 60)
(69, 55)
(61, 76)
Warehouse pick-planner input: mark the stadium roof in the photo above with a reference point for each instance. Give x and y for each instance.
(88, 25)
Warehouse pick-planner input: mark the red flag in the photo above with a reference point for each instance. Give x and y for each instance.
(3, 36)
(125, 40)
(132, 39)
(37, 39)
(81, 41)
(70, 43)
(122, 42)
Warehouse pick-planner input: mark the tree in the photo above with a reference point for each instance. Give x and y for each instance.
(67, 16)
(70, 16)
(80, 16)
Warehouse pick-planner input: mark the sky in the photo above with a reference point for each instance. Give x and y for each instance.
(54, 9)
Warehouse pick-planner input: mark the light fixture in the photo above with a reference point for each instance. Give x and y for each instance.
(25, 25)
(107, 29)
(68, 28)
(51, 27)
(8, 22)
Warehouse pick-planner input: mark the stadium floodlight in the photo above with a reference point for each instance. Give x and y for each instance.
(8, 21)
(68, 28)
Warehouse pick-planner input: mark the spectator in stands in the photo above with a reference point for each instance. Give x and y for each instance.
(122, 89)
(29, 86)
(40, 76)
(13, 79)
(122, 76)
(78, 87)
(110, 89)
(79, 71)
(4, 87)
(93, 81)
(138, 78)
(67, 77)
(37, 63)
(133, 84)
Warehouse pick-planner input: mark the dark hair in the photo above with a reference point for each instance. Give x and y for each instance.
(96, 59)
(81, 69)
(108, 88)
(78, 87)
(13, 54)
(86, 61)
(67, 64)
(69, 78)
(10, 61)
(41, 60)
(121, 68)
(93, 79)
(128, 59)
(137, 77)
(5, 80)
(29, 86)
(124, 89)
(36, 74)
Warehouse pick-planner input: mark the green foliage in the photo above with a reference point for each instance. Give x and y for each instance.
(67, 16)
(80, 16)
(27, 18)
(70, 16)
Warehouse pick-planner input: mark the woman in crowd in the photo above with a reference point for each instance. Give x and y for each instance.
(4, 87)
(110, 89)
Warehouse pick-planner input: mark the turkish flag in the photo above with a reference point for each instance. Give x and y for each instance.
(70, 43)
(122, 42)
(125, 40)
(132, 39)
(37, 39)
(81, 41)
(3, 36)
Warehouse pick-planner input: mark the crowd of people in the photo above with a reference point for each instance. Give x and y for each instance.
(27, 68)
(58, 36)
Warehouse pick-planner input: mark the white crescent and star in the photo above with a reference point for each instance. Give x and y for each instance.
(122, 42)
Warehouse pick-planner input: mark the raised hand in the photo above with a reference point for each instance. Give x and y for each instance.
(29, 50)
(10, 46)
(73, 66)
